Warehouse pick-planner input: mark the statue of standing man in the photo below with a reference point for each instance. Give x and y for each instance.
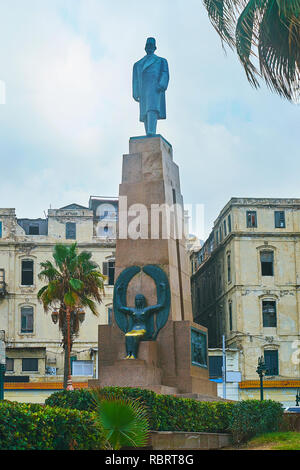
(150, 81)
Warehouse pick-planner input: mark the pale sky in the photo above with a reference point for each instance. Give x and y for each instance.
(69, 112)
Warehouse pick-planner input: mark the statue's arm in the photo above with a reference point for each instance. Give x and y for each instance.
(121, 307)
(135, 84)
(164, 76)
(154, 308)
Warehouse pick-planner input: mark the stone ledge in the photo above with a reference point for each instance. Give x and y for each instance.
(169, 440)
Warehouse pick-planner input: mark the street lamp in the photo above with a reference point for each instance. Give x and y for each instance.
(2, 363)
(261, 370)
(298, 397)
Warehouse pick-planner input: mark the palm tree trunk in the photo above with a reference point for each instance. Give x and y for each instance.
(66, 366)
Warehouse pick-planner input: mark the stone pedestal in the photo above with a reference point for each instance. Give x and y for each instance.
(150, 179)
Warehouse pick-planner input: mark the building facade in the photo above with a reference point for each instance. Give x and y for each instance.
(33, 342)
(246, 286)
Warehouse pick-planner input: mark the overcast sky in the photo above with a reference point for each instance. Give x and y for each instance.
(67, 66)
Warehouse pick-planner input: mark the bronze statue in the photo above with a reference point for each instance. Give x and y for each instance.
(140, 323)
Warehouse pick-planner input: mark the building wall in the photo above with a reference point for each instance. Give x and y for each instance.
(247, 288)
(44, 342)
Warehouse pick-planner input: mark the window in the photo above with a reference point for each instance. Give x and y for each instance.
(269, 314)
(109, 271)
(2, 282)
(228, 268)
(267, 261)
(220, 233)
(230, 315)
(225, 228)
(251, 219)
(27, 320)
(279, 219)
(83, 368)
(70, 231)
(215, 366)
(0, 229)
(30, 365)
(217, 237)
(34, 230)
(271, 362)
(27, 273)
(9, 364)
(229, 223)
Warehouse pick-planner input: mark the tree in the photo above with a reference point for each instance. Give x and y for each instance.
(268, 30)
(74, 282)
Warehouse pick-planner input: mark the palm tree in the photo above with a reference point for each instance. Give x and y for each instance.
(74, 282)
(268, 30)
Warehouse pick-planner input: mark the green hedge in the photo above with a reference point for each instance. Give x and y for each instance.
(37, 427)
(165, 412)
(252, 417)
(168, 413)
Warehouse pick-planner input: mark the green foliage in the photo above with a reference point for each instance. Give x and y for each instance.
(123, 421)
(252, 417)
(37, 427)
(267, 29)
(164, 412)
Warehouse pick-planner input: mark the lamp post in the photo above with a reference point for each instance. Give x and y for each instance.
(298, 397)
(2, 363)
(261, 369)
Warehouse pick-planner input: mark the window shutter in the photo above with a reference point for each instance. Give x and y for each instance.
(279, 219)
(105, 268)
(0, 229)
(70, 231)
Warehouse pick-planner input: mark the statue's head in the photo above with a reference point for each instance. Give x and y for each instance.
(150, 46)
(140, 301)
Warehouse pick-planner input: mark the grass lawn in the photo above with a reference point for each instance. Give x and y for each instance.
(275, 441)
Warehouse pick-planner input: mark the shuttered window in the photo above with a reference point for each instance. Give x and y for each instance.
(70, 231)
(215, 366)
(27, 320)
(271, 362)
(269, 314)
(0, 229)
(279, 219)
(229, 223)
(30, 365)
(85, 368)
(27, 273)
(108, 270)
(251, 219)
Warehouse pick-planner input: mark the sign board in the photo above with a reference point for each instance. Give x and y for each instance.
(232, 376)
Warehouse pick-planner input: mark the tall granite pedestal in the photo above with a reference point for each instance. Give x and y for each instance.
(151, 178)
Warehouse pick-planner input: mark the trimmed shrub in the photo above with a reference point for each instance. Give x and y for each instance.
(252, 417)
(164, 412)
(37, 427)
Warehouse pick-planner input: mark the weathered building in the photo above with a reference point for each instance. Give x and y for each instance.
(245, 285)
(33, 342)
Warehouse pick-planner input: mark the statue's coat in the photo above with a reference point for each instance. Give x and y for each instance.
(150, 81)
